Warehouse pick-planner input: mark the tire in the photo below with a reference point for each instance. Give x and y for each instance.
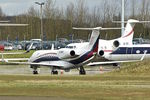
(35, 72)
(82, 72)
(55, 72)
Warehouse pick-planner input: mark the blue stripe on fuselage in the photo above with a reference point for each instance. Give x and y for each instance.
(46, 58)
(82, 58)
(132, 50)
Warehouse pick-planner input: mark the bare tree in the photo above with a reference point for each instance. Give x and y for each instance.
(70, 10)
(133, 5)
(49, 9)
(80, 12)
(34, 22)
(33, 12)
(1, 13)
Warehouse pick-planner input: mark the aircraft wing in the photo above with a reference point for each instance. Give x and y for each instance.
(58, 64)
(14, 59)
(12, 53)
(114, 62)
(110, 62)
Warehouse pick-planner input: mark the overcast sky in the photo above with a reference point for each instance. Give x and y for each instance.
(13, 7)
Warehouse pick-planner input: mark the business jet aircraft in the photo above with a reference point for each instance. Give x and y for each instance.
(126, 39)
(65, 58)
(123, 48)
(108, 46)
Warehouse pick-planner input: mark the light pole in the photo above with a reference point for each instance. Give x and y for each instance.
(41, 5)
(122, 17)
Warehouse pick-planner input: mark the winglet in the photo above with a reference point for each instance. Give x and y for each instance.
(142, 58)
(3, 60)
(29, 48)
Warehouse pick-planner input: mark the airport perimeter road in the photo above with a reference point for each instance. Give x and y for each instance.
(26, 70)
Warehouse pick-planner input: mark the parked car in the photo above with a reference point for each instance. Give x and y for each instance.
(8, 46)
(35, 40)
(63, 40)
(141, 41)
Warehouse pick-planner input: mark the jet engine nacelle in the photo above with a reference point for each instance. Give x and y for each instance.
(101, 53)
(65, 54)
(72, 53)
(116, 44)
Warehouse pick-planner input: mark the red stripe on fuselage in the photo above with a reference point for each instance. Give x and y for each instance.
(96, 48)
(129, 34)
(92, 52)
(89, 55)
(108, 50)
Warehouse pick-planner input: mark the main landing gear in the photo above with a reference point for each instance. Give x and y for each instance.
(82, 71)
(54, 72)
(35, 72)
(116, 65)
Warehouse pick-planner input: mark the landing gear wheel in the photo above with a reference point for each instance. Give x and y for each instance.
(35, 72)
(54, 72)
(82, 71)
(35, 69)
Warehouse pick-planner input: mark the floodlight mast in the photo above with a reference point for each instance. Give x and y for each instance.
(41, 5)
(122, 17)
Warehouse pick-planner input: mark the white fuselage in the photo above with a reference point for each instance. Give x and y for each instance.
(133, 52)
(123, 52)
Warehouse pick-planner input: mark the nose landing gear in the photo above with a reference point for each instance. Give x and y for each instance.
(54, 72)
(35, 70)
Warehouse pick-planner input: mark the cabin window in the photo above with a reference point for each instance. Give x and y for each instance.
(137, 51)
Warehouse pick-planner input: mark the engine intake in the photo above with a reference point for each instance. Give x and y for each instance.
(72, 53)
(116, 44)
(101, 52)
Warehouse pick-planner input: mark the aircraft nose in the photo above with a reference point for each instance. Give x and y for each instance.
(31, 59)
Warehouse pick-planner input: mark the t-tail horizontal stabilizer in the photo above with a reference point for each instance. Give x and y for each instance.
(97, 28)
